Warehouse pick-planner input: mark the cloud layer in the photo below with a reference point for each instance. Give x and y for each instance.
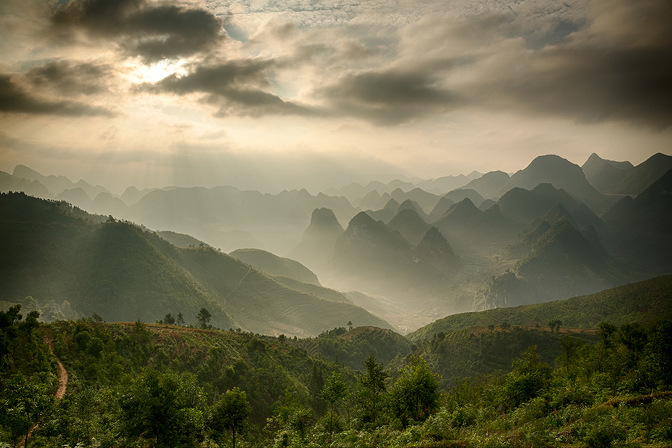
(343, 75)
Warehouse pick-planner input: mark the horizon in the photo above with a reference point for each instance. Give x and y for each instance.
(272, 95)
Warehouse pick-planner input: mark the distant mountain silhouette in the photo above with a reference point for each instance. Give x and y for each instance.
(440, 209)
(643, 175)
(384, 215)
(356, 190)
(209, 214)
(132, 195)
(523, 206)
(370, 253)
(411, 226)
(527, 243)
(435, 249)
(370, 200)
(9, 183)
(618, 208)
(557, 213)
(77, 197)
(272, 264)
(489, 185)
(411, 204)
(642, 229)
(459, 194)
(486, 204)
(443, 185)
(471, 229)
(562, 174)
(424, 200)
(604, 174)
(392, 204)
(56, 184)
(564, 263)
(317, 242)
(106, 204)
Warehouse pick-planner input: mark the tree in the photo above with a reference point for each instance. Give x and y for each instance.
(169, 319)
(333, 392)
(180, 320)
(23, 404)
(164, 407)
(569, 347)
(290, 422)
(281, 339)
(8, 330)
(415, 395)
(349, 324)
(372, 388)
(203, 318)
(230, 413)
(554, 325)
(527, 379)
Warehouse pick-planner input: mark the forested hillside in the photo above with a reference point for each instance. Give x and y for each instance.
(167, 386)
(54, 252)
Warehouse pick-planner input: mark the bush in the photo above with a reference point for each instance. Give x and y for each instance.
(604, 433)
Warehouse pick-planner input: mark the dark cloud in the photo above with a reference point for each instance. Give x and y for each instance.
(14, 100)
(388, 97)
(618, 69)
(142, 29)
(591, 85)
(236, 87)
(68, 78)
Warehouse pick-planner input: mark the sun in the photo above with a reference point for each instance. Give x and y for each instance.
(142, 73)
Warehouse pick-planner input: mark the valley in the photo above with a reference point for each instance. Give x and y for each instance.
(515, 300)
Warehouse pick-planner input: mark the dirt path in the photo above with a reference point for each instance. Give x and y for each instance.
(62, 373)
(60, 391)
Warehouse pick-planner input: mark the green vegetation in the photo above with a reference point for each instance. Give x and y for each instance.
(354, 346)
(274, 265)
(642, 302)
(55, 253)
(145, 385)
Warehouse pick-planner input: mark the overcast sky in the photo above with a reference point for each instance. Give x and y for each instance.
(123, 92)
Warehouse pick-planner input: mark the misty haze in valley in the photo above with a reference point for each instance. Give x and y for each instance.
(396, 252)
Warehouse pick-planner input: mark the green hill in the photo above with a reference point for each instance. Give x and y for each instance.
(351, 347)
(272, 264)
(476, 351)
(564, 263)
(123, 273)
(308, 288)
(642, 302)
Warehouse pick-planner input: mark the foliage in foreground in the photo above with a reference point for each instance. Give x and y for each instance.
(161, 386)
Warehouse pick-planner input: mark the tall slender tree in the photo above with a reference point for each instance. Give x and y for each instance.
(230, 413)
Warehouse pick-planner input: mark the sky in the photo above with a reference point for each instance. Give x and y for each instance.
(270, 94)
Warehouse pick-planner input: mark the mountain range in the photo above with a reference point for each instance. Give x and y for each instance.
(124, 273)
(547, 232)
